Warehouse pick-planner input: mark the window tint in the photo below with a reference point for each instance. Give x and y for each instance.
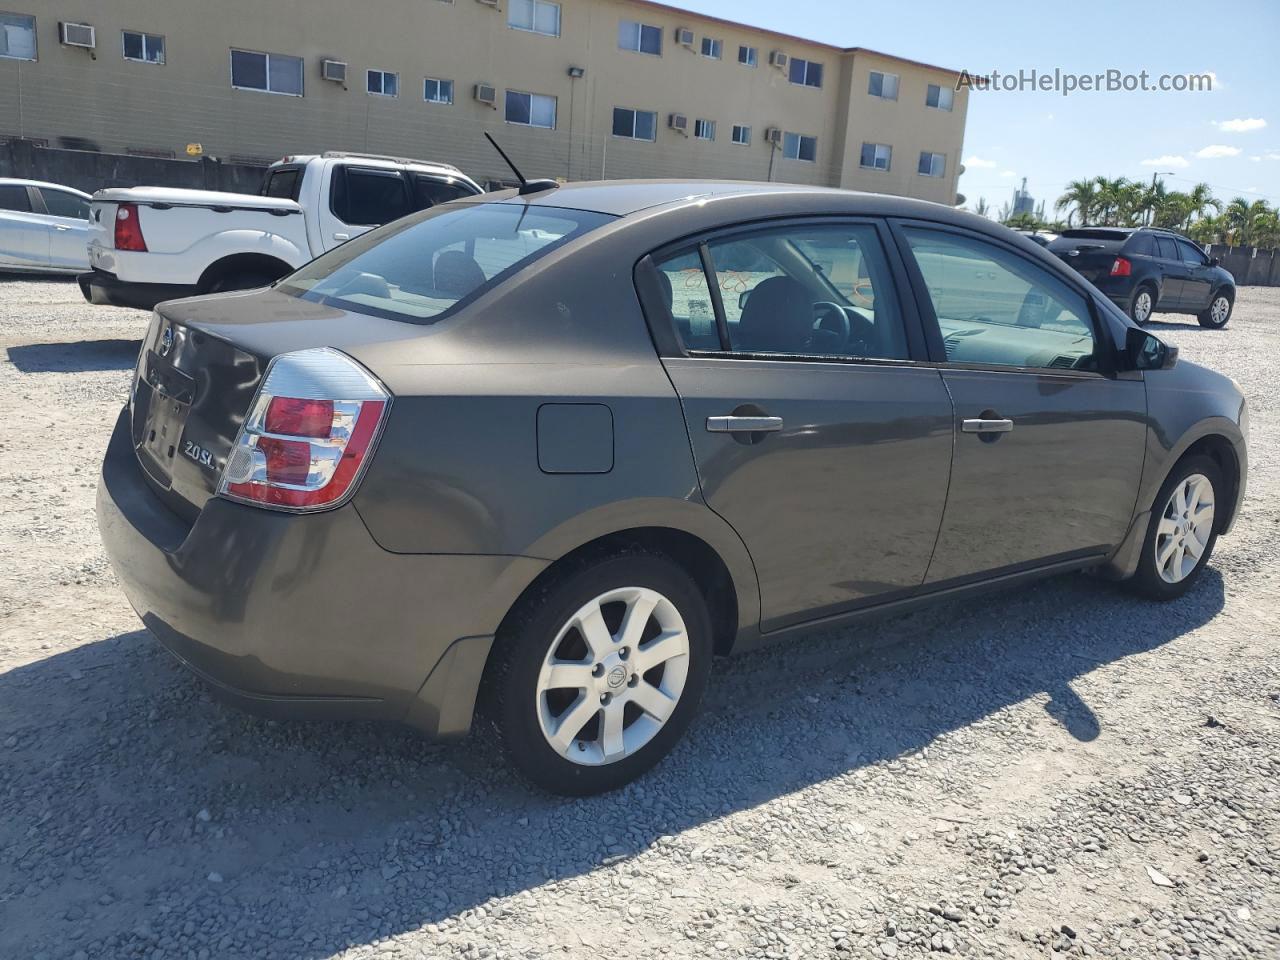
(1140, 245)
(428, 191)
(883, 85)
(995, 307)
(1191, 253)
(14, 197)
(62, 204)
(283, 183)
(418, 268)
(368, 197)
(806, 290)
(144, 47)
(1166, 248)
(688, 297)
(17, 36)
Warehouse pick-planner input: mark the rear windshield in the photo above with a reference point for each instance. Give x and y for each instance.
(1094, 233)
(422, 266)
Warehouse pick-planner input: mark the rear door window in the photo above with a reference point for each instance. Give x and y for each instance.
(1166, 249)
(283, 183)
(60, 203)
(14, 197)
(365, 197)
(430, 191)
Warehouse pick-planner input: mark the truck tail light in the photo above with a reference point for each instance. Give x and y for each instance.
(1121, 267)
(309, 434)
(129, 229)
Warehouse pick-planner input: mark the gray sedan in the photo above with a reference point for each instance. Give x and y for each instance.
(549, 453)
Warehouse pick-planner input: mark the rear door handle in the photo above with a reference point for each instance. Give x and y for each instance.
(744, 424)
(60, 228)
(986, 426)
(342, 236)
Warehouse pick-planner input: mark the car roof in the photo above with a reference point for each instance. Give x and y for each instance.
(15, 181)
(620, 198)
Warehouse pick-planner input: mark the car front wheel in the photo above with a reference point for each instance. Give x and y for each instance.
(594, 680)
(1218, 313)
(1181, 534)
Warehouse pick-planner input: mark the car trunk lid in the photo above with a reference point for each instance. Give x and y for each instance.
(1089, 252)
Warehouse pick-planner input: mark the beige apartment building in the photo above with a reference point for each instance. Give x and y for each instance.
(577, 89)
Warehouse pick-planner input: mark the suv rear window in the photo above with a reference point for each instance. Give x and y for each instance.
(421, 267)
(1094, 233)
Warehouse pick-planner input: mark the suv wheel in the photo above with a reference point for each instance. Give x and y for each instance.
(1181, 535)
(1142, 304)
(1218, 313)
(594, 681)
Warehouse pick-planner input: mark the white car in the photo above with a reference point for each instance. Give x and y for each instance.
(148, 244)
(44, 227)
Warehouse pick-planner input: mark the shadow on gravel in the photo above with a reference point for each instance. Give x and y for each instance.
(75, 357)
(138, 816)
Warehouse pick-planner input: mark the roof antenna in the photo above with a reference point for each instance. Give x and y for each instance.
(526, 186)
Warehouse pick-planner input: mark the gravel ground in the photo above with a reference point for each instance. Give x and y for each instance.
(1062, 770)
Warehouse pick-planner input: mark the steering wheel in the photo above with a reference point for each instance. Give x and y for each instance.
(830, 318)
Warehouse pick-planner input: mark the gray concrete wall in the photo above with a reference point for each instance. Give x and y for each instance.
(1250, 266)
(89, 171)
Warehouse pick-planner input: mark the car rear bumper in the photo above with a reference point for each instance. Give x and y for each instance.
(107, 289)
(305, 616)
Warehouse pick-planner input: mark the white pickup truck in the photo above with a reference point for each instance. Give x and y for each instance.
(148, 244)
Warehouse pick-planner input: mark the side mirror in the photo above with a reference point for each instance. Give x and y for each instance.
(1144, 351)
(1215, 261)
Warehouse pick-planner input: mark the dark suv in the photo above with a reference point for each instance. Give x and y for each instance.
(1144, 270)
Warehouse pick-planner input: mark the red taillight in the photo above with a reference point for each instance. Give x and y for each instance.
(300, 418)
(1121, 267)
(309, 433)
(129, 229)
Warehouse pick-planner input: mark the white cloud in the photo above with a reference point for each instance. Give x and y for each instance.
(1007, 173)
(1048, 116)
(976, 161)
(1214, 82)
(1240, 124)
(1168, 160)
(1273, 156)
(1215, 150)
(1252, 190)
(1256, 159)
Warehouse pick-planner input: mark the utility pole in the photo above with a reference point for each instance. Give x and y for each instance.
(1154, 174)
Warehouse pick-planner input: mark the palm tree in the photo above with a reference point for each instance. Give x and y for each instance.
(1209, 230)
(1080, 200)
(1200, 199)
(1266, 228)
(981, 208)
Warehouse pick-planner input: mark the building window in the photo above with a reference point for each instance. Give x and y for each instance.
(704, 129)
(536, 16)
(531, 109)
(639, 37)
(883, 85)
(932, 165)
(805, 73)
(635, 124)
(437, 91)
(384, 84)
(741, 134)
(712, 48)
(876, 156)
(748, 56)
(268, 72)
(939, 97)
(143, 47)
(17, 36)
(795, 146)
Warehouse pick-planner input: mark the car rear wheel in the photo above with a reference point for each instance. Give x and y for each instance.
(594, 680)
(1181, 534)
(1142, 304)
(1218, 313)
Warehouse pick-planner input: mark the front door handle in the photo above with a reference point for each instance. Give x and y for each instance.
(986, 426)
(60, 228)
(744, 424)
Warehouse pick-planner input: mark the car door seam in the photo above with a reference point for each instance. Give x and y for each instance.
(951, 466)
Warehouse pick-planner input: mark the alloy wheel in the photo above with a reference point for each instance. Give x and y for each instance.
(1142, 306)
(613, 676)
(1219, 311)
(1186, 526)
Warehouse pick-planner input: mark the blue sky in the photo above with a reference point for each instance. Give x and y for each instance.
(1051, 139)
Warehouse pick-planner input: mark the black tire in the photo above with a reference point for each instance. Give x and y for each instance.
(1206, 315)
(1135, 301)
(510, 697)
(1148, 581)
(241, 281)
